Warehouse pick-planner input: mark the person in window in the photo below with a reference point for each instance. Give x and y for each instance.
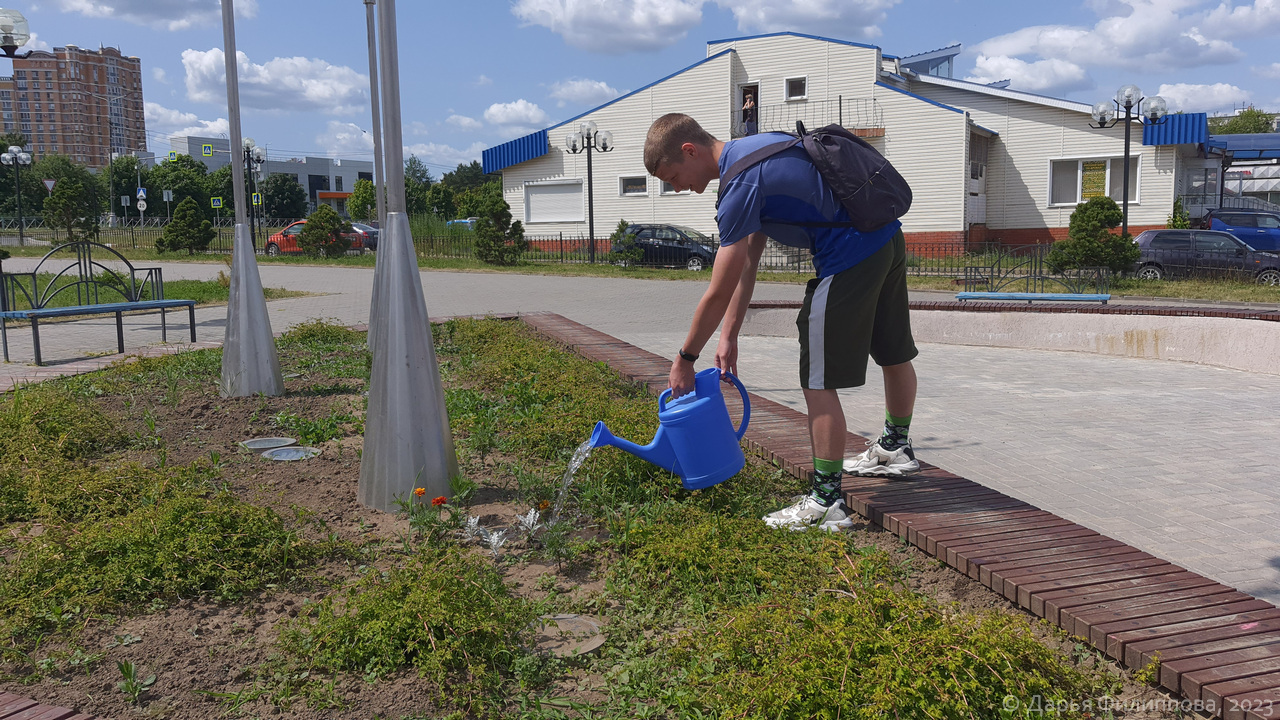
(855, 308)
(749, 113)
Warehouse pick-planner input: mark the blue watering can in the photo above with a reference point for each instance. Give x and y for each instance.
(695, 438)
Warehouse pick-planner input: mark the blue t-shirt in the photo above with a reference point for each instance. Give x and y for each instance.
(787, 186)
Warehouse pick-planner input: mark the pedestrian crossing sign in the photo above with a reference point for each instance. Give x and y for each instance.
(206, 150)
(173, 154)
(257, 198)
(215, 202)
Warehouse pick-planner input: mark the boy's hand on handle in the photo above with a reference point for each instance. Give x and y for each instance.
(727, 357)
(681, 378)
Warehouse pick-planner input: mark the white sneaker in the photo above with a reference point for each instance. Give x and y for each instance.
(808, 513)
(876, 461)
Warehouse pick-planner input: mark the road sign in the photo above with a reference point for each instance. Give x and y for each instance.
(142, 206)
(257, 198)
(215, 202)
(142, 193)
(168, 196)
(206, 150)
(124, 200)
(173, 154)
(48, 185)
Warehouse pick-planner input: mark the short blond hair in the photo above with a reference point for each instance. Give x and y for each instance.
(667, 135)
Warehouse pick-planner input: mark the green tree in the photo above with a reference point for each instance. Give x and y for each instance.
(72, 209)
(1090, 242)
(415, 196)
(466, 177)
(1249, 120)
(220, 185)
(481, 201)
(1179, 219)
(416, 169)
(9, 139)
(59, 168)
(440, 201)
(324, 234)
(121, 178)
(283, 196)
(498, 240)
(623, 249)
(187, 177)
(189, 230)
(363, 203)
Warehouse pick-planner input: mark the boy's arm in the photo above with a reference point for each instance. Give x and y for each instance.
(727, 352)
(725, 277)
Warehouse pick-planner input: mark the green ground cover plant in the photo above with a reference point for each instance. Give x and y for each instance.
(154, 534)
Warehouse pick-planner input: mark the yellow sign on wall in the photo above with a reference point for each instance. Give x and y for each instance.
(1093, 181)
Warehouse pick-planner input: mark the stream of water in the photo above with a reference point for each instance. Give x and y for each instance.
(579, 457)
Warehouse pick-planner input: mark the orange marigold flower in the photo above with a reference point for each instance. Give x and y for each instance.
(440, 501)
(420, 491)
(544, 505)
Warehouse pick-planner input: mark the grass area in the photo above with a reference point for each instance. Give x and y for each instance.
(204, 292)
(105, 520)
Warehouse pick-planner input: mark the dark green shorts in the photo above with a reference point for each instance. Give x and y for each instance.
(850, 315)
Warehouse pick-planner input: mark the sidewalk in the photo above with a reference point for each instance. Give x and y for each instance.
(1176, 459)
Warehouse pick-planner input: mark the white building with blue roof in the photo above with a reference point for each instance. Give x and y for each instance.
(984, 162)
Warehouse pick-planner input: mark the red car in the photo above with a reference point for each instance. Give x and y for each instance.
(286, 241)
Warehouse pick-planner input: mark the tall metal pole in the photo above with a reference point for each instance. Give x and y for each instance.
(591, 206)
(17, 183)
(1124, 218)
(407, 443)
(250, 365)
(378, 172)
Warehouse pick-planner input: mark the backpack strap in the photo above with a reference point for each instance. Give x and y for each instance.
(751, 158)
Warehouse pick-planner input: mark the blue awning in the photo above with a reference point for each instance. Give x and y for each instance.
(1253, 146)
(1180, 129)
(513, 152)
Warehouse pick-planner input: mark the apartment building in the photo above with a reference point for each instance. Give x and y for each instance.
(85, 104)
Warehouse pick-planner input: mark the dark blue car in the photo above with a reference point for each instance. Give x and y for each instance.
(1203, 253)
(1258, 228)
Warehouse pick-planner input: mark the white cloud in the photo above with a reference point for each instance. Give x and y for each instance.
(1271, 71)
(520, 112)
(417, 128)
(169, 122)
(1218, 97)
(851, 19)
(464, 122)
(159, 74)
(484, 80)
(613, 26)
(294, 84)
(580, 91)
(1261, 17)
(445, 155)
(344, 139)
(35, 43)
(164, 14)
(1048, 76)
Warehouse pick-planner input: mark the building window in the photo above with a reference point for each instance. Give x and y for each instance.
(633, 186)
(669, 189)
(337, 183)
(1075, 181)
(796, 88)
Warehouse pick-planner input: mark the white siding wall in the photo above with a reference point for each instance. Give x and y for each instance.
(1030, 135)
(927, 144)
(704, 92)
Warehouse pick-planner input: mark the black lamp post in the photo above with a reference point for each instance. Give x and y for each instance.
(14, 32)
(254, 156)
(589, 138)
(17, 158)
(1150, 111)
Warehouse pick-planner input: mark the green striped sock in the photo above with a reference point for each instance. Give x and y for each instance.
(895, 431)
(827, 475)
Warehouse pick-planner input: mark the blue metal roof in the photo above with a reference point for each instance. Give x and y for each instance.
(794, 34)
(921, 99)
(505, 158)
(1180, 129)
(1253, 146)
(514, 152)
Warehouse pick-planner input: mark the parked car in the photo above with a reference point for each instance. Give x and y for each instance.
(673, 246)
(286, 241)
(1258, 228)
(468, 223)
(1174, 253)
(368, 235)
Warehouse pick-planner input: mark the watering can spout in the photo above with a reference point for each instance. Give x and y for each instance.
(659, 451)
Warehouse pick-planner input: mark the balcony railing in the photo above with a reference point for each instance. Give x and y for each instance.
(862, 115)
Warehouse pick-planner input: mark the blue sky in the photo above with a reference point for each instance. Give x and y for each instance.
(475, 73)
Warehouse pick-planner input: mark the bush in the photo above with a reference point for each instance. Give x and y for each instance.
(1179, 219)
(187, 231)
(498, 240)
(1090, 242)
(623, 249)
(325, 234)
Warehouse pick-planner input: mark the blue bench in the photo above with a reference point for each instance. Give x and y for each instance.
(88, 280)
(1030, 297)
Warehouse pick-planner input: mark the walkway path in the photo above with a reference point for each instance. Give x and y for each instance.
(1179, 460)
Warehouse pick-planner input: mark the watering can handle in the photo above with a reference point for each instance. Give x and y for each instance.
(746, 404)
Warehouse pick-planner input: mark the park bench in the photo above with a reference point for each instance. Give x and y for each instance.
(1031, 296)
(995, 282)
(76, 274)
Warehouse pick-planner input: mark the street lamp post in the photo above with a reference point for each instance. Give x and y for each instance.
(379, 180)
(254, 157)
(17, 158)
(14, 32)
(1149, 111)
(589, 138)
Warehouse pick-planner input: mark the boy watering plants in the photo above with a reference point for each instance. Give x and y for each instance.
(856, 306)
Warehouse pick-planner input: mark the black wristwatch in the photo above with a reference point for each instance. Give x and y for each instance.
(687, 356)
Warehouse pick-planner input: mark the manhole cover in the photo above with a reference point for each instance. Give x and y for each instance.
(267, 443)
(567, 635)
(291, 453)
